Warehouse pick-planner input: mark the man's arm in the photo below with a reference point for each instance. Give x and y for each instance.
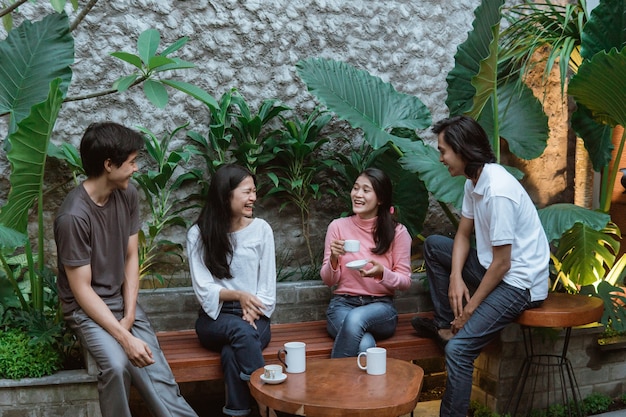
(500, 265)
(79, 278)
(130, 289)
(458, 291)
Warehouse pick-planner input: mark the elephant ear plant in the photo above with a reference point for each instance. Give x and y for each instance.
(347, 92)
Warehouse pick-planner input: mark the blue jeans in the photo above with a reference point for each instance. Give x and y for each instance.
(501, 307)
(241, 349)
(356, 322)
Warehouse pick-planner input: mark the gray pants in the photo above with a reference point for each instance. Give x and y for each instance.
(155, 382)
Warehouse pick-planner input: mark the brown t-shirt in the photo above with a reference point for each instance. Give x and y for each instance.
(88, 234)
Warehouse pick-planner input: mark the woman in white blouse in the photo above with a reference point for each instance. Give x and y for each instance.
(233, 271)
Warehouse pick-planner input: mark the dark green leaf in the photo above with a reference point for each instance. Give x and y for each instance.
(605, 30)
(27, 155)
(193, 91)
(470, 55)
(133, 60)
(363, 100)
(33, 55)
(558, 218)
(597, 86)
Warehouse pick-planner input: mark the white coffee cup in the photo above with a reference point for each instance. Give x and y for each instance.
(295, 357)
(351, 245)
(375, 361)
(273, 371)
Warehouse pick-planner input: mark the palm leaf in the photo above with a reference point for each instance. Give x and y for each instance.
(27, 156)
(559, 218)
(32, 56)
(363, 100)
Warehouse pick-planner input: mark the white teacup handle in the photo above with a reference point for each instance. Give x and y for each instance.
(358, 360)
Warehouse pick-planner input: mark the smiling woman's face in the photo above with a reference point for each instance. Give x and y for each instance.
(364, 199)
(243, 198)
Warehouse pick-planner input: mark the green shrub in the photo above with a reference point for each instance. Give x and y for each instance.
(596, 403)
(21, 357)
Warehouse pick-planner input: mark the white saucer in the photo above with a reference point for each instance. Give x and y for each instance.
(357, 264)
(274, 381)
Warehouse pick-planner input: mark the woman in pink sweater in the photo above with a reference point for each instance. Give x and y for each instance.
(362, 308)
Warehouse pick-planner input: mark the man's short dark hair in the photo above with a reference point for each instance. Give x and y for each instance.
(107, 140)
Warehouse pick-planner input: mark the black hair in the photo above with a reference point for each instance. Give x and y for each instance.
(469, 140)
(107, 140)
(215, 219)
(385, 229)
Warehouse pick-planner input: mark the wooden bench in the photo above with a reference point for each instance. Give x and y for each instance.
(192, 362)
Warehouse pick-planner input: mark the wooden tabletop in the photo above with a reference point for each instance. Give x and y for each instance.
(338, 388)
(563, 310)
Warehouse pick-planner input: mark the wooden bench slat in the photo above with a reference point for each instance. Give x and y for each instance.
(192, 362)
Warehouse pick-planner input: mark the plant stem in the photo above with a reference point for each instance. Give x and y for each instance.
(12, 7)
(82, 14)
(606, 206)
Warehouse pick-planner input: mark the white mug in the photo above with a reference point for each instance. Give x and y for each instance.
(351, 245)
(375, 361)
(295, 357)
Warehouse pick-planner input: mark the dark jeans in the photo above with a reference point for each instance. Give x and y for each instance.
(501, 307)
(241, 347)
(355, 322)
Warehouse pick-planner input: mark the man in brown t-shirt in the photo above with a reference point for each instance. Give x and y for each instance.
(96, 231)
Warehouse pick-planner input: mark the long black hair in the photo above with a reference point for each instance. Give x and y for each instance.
(385, 229)
(215, 219)
(469, 140)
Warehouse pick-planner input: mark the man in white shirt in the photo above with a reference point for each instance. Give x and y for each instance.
(476, 292)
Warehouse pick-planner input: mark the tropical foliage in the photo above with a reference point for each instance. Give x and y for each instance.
(586, 257)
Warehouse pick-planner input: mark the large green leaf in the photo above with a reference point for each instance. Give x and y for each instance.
(27, 156)
(517, 106)
(10, 238)
(410, 197)
(605, 30)
(363, 100)
(597, 137)
(424, 160)
(558, 218)
(600, 84)
(474, 58)
(33, 55)
(584, 253)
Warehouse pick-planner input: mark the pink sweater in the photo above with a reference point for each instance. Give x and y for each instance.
(396, 261)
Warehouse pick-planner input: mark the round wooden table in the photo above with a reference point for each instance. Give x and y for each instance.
(337, 387)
